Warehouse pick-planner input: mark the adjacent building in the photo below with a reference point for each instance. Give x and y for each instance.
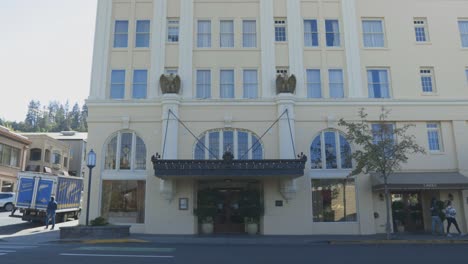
(13, 149)
(408, 56)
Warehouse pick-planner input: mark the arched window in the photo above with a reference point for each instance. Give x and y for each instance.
(330, 150)
(125, 151)
(242, 143)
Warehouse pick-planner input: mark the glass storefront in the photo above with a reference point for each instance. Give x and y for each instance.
(334, 200)
(123, 201)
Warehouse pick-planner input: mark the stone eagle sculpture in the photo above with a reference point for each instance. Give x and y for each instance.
(170, 83)
(285, 83)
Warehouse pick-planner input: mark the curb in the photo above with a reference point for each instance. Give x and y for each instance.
(396, 242)
(98, 241)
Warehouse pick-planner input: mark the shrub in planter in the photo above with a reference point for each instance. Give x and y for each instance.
(99, 221)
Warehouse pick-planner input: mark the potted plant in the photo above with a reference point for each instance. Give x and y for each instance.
(251, 209)
(206, 210)
(399, 215)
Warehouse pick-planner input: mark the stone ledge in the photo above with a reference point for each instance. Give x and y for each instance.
(93, 232)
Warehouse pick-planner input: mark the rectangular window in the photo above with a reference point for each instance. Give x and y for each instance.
(378, 83)
(257, 150)
(203, 84)
(213, 143)
(226, 34)
(463, 27)
(226, 79)
(249, 34)
(433, 137)
(250, 83)
(466, 74)
(427, 80)
(280, 30)
(310, 33)
(121, 34)
(314, 84)
(334, 200)
(281, 70)
(204, 34)
(140, 80)
(142, 34)
(242, 145)
(373, 33)
(382, 132)
(172, 30)
(332, 33)
(420, 30)
(117, 89)
(335, 78)
(228, 141)
(171, 71)
(123, 201)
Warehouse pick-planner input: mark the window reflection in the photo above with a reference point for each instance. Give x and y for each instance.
(123, 201)
(334, 200)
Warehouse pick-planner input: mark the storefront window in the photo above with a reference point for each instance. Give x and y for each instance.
(123, 201)
(334, 200)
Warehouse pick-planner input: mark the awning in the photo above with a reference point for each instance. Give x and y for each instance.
(228, 167)
(422, 181)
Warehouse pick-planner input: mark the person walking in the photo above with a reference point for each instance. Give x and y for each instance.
(435, 215)
(450, 214)
(51, 208)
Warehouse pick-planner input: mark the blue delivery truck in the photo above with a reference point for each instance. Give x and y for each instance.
(34, 190)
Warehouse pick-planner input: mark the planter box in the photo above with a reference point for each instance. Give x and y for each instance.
(95, 232)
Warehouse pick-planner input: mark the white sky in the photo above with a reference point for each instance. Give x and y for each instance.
(45, 53)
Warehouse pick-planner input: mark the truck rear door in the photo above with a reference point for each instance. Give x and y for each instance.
(25, 192)
(44, 191)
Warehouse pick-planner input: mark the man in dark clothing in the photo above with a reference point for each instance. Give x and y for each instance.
(435, 215)
(51, 208)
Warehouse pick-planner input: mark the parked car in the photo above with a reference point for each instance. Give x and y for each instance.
(7, 200)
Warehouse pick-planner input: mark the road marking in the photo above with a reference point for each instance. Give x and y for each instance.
(7, 251)
(109, 255)
(1, 254)
(131, 249)
(16, 247)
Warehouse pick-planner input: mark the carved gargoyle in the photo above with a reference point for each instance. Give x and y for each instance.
(170, 83)
(285, 83)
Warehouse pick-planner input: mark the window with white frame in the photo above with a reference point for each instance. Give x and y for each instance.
(420, 30)
(382, 131)
(117, 89)
(466, 74)
(204, 34)
(335, 83)
(330, 150)
(427, 80)
(378, 83)
(173, 30)
(121, 34)
(140, 83)
(280, 29)
(434, 137)
(226, 83)
(249, 34)
(250, 83)
(243, 144)
(10, 156)
(334, 200)
(226, 34)
(203, 84)
(282, 70)
(463, 27)
(311, 38)
(125, 151)
(373, 33)
(332, 33)
(142, 37)
(314, 83)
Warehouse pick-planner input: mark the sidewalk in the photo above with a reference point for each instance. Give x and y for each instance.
(38, 235)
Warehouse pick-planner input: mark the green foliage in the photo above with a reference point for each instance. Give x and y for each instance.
(99, 221)
(250, 206)
(440, 205)
(206, 205)
(55, 117)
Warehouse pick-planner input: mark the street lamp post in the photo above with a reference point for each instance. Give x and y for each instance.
(90, 162)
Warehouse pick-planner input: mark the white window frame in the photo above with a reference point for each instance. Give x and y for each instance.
(120, 33)
(427, 72)
(389, 82)
(111, 83)
(336, 83)
(463, 35)
(172, 23)
(421, 23)
(118, 154)
(384, 39)
(333, 33)
(148, 33)
(434, 127)
(282, 70)
(227, 35)
(169, 70)
(252, 34)
(309, 82)
(310, 34)
(281, 23)
(244, 84)
(223, 83)
(204, 34)
(139, 83)
(198, 83)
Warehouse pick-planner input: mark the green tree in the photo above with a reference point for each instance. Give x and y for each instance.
(75, 116)
(382, 149)
(32, 116)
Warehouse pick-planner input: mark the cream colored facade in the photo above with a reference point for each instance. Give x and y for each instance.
(13, 149)
(401, 56)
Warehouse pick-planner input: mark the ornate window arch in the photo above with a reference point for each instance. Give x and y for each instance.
(243, 144)
(125, 150)
(330, 150)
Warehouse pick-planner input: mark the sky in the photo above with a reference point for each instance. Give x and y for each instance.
(46, 51)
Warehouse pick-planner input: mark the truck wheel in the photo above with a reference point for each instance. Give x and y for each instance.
(8, 207)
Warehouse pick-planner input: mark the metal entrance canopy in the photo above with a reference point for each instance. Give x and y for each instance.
(280, 168)
(422, 181)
